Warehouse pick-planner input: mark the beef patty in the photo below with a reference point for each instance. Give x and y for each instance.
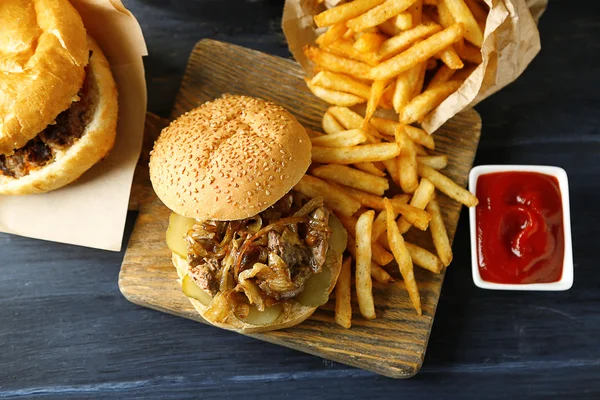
(66, 131)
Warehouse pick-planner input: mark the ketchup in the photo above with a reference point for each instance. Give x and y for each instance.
(520, 234)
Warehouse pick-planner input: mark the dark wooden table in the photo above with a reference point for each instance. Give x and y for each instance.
(66, 331)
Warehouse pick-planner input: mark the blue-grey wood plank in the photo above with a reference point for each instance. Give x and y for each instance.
(66, 332)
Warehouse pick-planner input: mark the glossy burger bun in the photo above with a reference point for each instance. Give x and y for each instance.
(229, 159)
(95, 143)
(293, 312)
(44, 54)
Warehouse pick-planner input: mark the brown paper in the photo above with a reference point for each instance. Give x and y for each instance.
(511, 41)
(92, 211)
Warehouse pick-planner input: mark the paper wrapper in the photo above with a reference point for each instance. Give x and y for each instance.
(92, 211)
(511, 41)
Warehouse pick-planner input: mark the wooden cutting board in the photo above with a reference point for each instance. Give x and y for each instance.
(394, 344)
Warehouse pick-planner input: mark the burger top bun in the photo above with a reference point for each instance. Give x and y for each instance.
(43, 53)
(229, 159)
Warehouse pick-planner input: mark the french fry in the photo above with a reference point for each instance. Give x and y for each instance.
(355, 154)
(405, 39)
(380, 223)
(312, 133)
(480, 14)
(370, 168)
(349, 34)
(424, 258)
(462, 14)
(387, 97)
(369, 42)
(378, 15)
(450, 57)
(335, 63)
(403, 21)
(420, 150)
(364, 289)
(439, 233)
(351, 137)
(442, 75)
(416, 216)
(379, 226)
(431, 2)
(445, 17)
(416, 12)
(391, 167)
(379, 274)
(345, 48)
(343, 287)
(407, 162)
(385, 126)
(335, 32)
(330, 124)
(431, 64)
(403, 259)
(447, 186)
(380, 255)
(420, 81)
(419, 136)
(420, 199)
(435, 162)
(333, 96)
(406, 84)
(376, 93)
(342, 83)
(351, 120)
(353, 178)
(338, 201)
(389, 27)
(416, 54)
(421, 105)
(447, 20)
(345, 12)
(470, 53)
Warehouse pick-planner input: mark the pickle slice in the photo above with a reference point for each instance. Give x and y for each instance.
(266, 317)
(178, 228)
(316, 289)
(190, 289)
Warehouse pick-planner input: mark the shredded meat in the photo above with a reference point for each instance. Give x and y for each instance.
(67, 129)
(271, 255)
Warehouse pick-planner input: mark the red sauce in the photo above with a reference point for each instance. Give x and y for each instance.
(520, 234)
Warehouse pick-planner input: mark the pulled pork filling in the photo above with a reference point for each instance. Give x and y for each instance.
(67, 129)
(268, 257)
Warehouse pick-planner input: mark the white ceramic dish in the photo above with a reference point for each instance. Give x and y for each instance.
(566, 280)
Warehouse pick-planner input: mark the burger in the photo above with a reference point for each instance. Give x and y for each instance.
(58, 98)
(252, 255)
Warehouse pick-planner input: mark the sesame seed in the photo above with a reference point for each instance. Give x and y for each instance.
(267, 192)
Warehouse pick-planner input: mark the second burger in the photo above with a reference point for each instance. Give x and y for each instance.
(251, 254)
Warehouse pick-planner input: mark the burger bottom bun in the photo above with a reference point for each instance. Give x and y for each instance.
(95, 143)
(293, 312)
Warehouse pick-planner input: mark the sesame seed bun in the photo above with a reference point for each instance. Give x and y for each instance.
(229, 159)
(43, 55)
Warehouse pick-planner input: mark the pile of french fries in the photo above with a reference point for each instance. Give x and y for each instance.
(379, 52)
(405, 55)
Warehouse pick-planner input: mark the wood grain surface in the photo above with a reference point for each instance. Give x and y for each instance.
(394, 344)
